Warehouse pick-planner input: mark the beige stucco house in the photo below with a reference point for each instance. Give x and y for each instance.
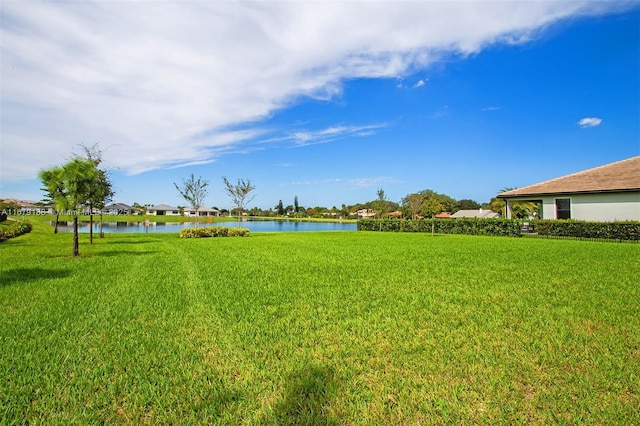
(480, 213)
(202, 212)
(163, 210)
(607, 193)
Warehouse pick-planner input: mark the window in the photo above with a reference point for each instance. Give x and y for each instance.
(563, 208)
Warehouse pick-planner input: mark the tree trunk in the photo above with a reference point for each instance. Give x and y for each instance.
(76, 251)
(90, 223)
(101, 231)
(55, 228)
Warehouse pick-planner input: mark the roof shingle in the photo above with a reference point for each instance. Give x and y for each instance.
(621, 176)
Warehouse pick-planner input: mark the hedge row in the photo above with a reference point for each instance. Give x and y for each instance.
(621, 231)
(215, 231)
(470, 226)
(14, 230)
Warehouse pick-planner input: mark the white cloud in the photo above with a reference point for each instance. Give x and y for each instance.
(420, 83)
(590, 122)
(369, 182)
(164, 82)
(314, 137)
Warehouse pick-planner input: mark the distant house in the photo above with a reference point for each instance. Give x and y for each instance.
(118, 209)
(605, 193)
(443, 215)
(28, 207)
(201, 212)
(364, 213)
(163, 210)
(480, 213)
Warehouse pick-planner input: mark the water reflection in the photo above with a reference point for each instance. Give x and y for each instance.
(253, 226)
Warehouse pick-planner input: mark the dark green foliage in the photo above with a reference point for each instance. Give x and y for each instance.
(14, 229)
(467, 204)
(470, 226)
(215, 231)
(622, 231)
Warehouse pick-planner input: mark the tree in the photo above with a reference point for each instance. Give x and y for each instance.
(448, 203)
(379, 205)
(239, 194)
(102, 189)
(519, 209)
(54, 192)
(431, 206)
(194, 192)
(70, 188)
(280, 208)
(413, 203)
(466, 204)
(296, 207)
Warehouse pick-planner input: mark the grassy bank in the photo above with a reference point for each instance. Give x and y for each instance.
(318, 328)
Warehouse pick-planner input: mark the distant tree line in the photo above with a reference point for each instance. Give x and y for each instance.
(423, 204)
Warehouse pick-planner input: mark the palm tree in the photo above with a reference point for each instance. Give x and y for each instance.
(70, 187)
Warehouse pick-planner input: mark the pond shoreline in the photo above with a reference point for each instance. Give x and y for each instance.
(262, 225)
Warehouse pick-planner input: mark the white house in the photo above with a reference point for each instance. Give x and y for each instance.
(163, 210)
(607, 193)
(201, 212)
(364, 213)
(480, 213)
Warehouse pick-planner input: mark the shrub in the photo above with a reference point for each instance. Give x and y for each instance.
(621, 231)
(470, 226)
(214, 231)
(14, 230)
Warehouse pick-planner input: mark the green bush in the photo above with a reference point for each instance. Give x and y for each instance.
(469, 226)
(621, 231)
(15, 229)
(214, 231)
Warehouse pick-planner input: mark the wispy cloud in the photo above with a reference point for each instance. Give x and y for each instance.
(369, 182)
(313, 137)
(443, 111)
(590, 122)
(165, 81)
(400, 83)
(491, 108)
(420, 83)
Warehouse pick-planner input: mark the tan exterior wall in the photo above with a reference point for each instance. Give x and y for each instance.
(597, 207)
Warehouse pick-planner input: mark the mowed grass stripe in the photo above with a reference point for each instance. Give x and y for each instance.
(345, 328)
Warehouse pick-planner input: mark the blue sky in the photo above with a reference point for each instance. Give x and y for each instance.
(324, 101)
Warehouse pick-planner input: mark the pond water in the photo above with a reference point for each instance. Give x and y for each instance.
(253, 226)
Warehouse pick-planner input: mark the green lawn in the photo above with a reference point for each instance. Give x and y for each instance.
(318, 328)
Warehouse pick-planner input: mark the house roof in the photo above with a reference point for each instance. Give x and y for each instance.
(118, 206)
(475, 213)
(621, 176)
(200, 209)
(163, 207)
